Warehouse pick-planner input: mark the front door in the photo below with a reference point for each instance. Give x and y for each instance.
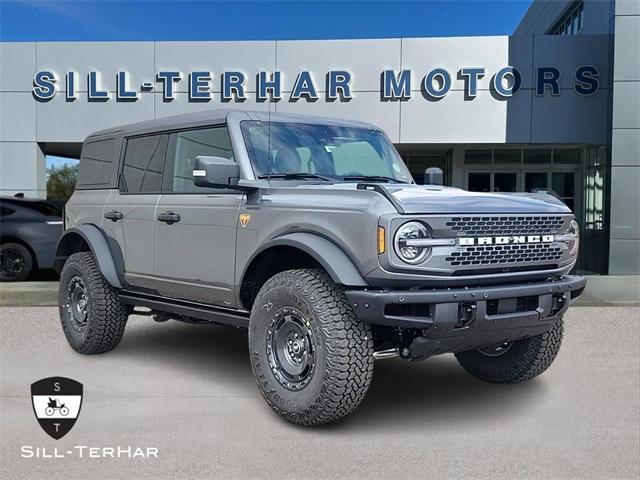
(196, 227)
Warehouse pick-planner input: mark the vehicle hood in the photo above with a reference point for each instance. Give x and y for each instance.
(416, 199)
(433, 199)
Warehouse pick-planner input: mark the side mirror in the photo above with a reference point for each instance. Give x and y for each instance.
(215, 172)
(433, 176)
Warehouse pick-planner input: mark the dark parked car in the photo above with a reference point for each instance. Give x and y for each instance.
(29, 232)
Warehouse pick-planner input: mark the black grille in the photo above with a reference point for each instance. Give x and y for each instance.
(498, 254)
(480, 226)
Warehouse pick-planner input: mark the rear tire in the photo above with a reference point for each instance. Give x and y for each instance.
(311, 356)
(92, 316)
(16, 262)
(521, 361)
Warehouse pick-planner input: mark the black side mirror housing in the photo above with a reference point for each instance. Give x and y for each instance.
(217, 172)
(433, 176)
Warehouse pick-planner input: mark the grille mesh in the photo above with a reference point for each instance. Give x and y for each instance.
(479, 226)
(498, 254)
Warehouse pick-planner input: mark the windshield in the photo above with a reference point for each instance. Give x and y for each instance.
(326, 152)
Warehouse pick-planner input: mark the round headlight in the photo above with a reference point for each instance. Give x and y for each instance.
(574, 229)
(404, 246)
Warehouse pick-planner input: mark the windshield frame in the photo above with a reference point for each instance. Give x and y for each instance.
(390, 155)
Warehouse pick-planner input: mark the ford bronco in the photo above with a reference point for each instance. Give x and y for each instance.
(312, 234)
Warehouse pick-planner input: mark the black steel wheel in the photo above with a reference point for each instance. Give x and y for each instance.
(496, 350)
(77, 303)
(16, 262)
(291, 348)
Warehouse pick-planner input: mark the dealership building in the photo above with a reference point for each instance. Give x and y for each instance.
(555, 106)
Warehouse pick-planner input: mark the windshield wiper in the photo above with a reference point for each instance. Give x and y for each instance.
(295, 176)
(372, 178)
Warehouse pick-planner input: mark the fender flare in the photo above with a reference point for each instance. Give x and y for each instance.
(331, 257)
(99, 247)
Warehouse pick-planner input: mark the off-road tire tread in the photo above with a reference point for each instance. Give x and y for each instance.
(107, 315)
(538, 354)
(349, 348)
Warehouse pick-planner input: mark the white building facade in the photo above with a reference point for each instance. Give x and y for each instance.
(552, 107)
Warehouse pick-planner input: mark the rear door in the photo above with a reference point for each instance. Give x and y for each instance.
(195, 237)
(129, 214)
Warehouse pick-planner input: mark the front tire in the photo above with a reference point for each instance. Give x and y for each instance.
(311, 356)
(92, 316)
(517, 361)
(16, 262)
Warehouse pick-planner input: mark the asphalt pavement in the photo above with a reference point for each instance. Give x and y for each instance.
(188, 391)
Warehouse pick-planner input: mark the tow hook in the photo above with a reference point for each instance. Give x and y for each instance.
(466, 313)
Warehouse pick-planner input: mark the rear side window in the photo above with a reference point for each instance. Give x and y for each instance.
(96, 165)
(214, 142)
(143, 164)
(45, 208)
(6, 211)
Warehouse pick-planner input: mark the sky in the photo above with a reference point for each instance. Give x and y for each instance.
(54, 20)
(88, 20)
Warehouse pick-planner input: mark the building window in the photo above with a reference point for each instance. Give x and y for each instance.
(571, 22)
(475, 157)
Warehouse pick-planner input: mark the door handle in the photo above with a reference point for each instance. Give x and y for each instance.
(169, 217)
(114, 215)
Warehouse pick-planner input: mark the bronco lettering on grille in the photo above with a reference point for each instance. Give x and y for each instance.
(470, 241)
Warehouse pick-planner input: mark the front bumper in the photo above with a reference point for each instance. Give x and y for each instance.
(459, 319)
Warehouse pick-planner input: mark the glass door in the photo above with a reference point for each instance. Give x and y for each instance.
(560, 184)
(492, 181)
(594, 252)
(418, 163)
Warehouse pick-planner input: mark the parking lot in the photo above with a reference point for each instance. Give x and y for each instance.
(188, 391)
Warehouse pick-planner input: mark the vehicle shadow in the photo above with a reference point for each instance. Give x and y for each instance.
(403, 394)
(437, 392)
(203, 353)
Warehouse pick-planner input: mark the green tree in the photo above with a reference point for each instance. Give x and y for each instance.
(61, 181)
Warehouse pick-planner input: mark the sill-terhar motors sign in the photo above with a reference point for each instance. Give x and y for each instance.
(337, 84)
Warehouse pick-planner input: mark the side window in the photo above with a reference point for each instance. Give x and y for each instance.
(96, 165)
(213, 142)
(143, 164)
(5, 211)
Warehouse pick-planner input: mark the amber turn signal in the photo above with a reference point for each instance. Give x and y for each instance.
(381, 240)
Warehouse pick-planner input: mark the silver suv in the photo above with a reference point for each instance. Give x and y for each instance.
(312, 234)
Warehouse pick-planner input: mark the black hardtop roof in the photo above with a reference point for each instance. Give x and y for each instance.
(210, 117)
